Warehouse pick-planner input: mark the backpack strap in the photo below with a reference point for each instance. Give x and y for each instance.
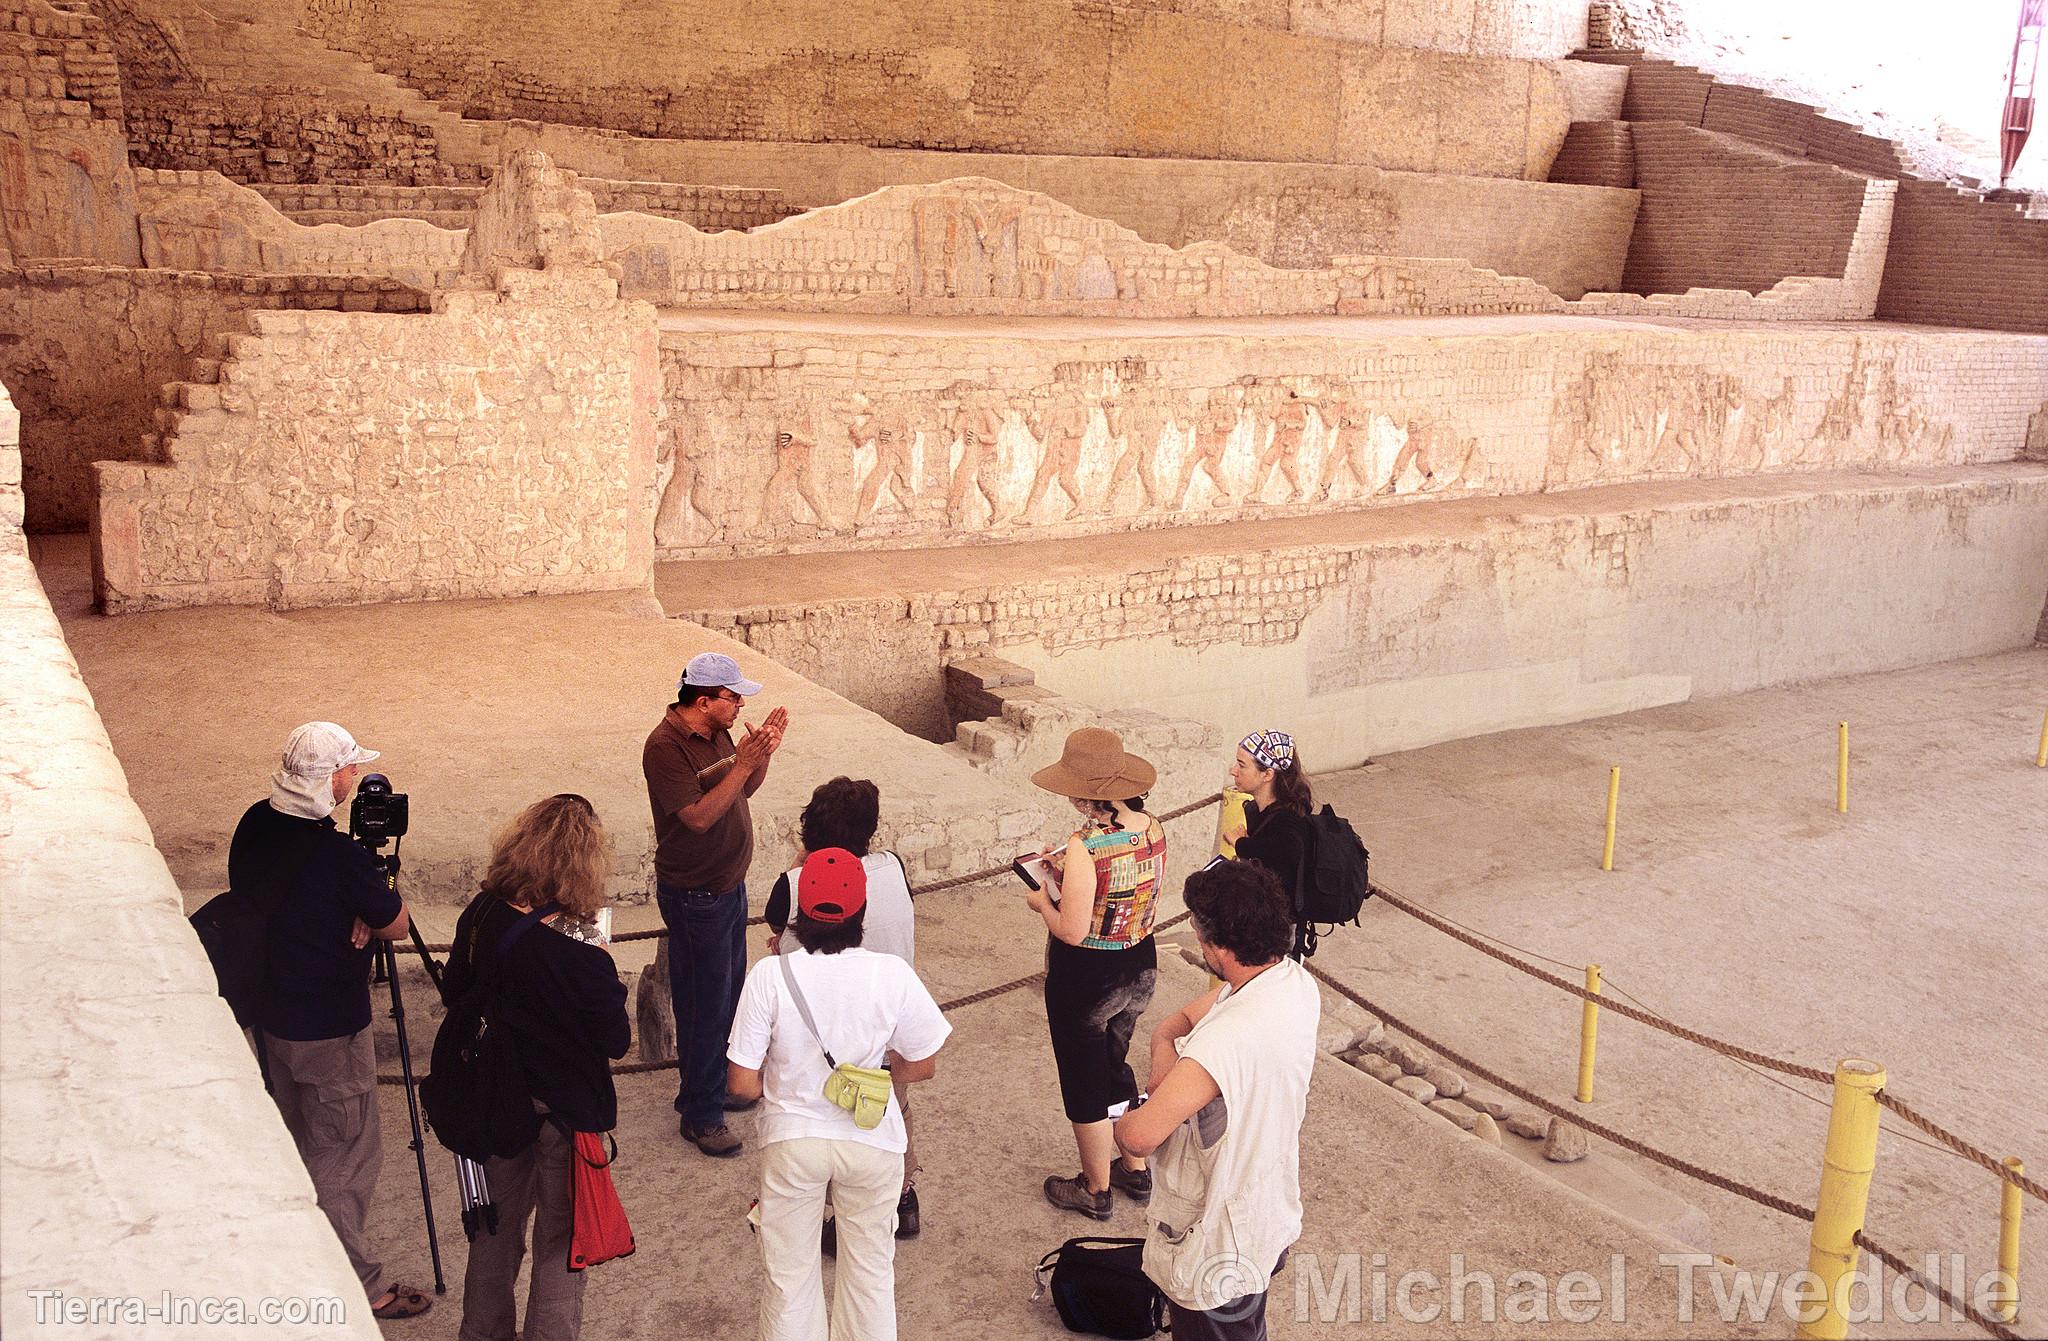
(803, 1008)
(487, 970)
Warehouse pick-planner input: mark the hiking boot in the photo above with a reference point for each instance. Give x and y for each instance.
(828, 1237)
(1133, 1183)
(1072, 1194)
(718, 1142)
(906, 1214)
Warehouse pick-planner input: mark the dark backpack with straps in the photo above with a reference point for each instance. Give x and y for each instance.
(475, 1097)
(1100, 1288)
(234, 929)
(1333, 884)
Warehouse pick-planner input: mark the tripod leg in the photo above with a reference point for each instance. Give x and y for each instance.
(389, 959)
(433, 969)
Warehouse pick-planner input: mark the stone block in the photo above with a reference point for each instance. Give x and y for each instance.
(1564, 1142)
(1416, 1088)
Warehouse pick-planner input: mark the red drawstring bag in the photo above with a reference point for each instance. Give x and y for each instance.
(601, 1231)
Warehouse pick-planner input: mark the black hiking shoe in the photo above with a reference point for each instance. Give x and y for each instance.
(1133, 1183)
(907, 1224)
(1072, 1194)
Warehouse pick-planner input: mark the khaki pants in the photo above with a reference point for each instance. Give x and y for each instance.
(326, 1091)
(864, 1183)
(535, 1184)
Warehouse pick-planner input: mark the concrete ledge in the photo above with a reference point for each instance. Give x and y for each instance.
(140, 1154)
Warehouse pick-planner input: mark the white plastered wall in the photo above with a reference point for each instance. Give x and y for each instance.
(141, 1163)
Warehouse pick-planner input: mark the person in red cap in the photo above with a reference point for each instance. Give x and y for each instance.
(826, 1005)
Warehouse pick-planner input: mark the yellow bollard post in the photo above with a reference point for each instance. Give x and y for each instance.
(1842, 772)
(2041, 756)
(1844, 1194)
(1589, 1033)
(1613, 800)
(2005, 1302)
(1230, 821)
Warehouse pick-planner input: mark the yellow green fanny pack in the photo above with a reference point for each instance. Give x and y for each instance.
(862, 1091)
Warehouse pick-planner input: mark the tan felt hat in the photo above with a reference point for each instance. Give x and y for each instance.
(1095, 767)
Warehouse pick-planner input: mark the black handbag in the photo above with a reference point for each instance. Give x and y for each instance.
(1100, 1288)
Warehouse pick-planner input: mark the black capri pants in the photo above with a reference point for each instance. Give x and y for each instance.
(1093, 999)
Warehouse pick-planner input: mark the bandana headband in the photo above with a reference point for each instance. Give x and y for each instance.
(1270, 749)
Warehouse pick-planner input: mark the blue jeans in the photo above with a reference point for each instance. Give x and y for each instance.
(707, 964)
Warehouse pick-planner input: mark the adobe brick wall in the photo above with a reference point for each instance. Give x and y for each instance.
(100, 345)
(1720, 213)
(282, 137)
(1596, 153)
(978, 246)
(1661, 90)
(1958, 259)
(203, 221)
(1029, 76)
(1539, 28)
(65, 188)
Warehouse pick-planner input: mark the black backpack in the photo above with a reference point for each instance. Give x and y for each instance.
(1333, 884)
(1100, 1287)
(234, 929)
(475, 1097)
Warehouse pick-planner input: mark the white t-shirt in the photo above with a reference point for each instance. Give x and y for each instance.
(888, 928)
(866, 1005)
(1240, 1195)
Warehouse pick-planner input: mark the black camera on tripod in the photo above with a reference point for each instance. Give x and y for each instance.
(378, 814)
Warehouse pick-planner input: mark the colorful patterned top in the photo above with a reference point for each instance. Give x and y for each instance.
(1128, 872)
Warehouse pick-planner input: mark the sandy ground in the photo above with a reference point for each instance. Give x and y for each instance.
(1909, 931)
(479, 708)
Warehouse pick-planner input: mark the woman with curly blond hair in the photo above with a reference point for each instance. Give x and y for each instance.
(560, 1000)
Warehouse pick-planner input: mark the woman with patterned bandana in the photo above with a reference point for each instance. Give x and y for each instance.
(1279, 835)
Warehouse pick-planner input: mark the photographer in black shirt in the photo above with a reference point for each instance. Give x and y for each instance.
(313, 1018)
(564, 1007)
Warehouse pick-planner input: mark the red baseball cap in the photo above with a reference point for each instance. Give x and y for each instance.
(833, 886)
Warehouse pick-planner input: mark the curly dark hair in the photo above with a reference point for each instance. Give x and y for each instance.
(1240, 906)
(842, 813)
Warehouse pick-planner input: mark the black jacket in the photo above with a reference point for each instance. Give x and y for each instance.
(563, 1002)
(1279, 840)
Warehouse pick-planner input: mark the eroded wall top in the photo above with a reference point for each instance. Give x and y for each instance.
(1032, 76)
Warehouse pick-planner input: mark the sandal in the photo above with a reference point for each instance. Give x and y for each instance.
(405, 1302)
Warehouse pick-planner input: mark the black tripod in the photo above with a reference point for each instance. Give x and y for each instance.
(387, 969)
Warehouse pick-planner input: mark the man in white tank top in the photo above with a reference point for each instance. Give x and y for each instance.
(1230, 1076)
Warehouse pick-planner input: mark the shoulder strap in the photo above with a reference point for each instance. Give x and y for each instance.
(803, 1008)
(484, 987)
(522, 926)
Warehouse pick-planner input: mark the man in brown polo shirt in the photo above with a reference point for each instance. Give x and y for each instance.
(698, 781)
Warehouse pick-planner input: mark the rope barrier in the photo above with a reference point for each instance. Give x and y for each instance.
(917, 891)
(1606, 1003)
(1962, 1147)
(1962, 1306)
(1686, 1167)
(1954, 1143)
(1749, 1056)
(1697, 1172)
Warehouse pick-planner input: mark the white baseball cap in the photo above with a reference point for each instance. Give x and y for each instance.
(321, 749)
(714, 670)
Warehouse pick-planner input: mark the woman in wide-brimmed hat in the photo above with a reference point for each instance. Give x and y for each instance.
(1100, 962)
